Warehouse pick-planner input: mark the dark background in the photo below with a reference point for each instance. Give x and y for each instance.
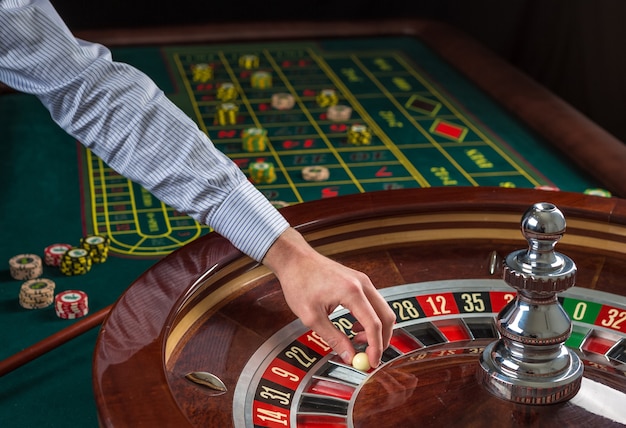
(576, 48)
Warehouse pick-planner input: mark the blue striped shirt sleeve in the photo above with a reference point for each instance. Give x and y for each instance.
(125, 119)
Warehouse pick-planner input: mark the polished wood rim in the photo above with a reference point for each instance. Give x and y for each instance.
(395, 231)
(141, 341)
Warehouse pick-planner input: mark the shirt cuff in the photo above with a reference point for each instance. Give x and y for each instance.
(249, 221)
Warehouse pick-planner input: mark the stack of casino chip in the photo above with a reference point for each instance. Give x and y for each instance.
(25, 266)
(339, 113)
(261, 80)
(71, 304)
(37, 293)
(54, 253)
(262, 172)
(97, 246)
(315, 173)
(327, 98)
(283, 101)
(249, 61)
(226, 92)
(226, 114)
(202, 73)
(359, 135)
(254, 139)
(76, 261)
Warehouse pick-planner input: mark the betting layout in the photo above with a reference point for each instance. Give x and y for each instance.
(412, 133)
(305, 123)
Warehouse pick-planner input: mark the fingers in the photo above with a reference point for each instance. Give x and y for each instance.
(377, 330)
(374, 326)
(377, 320)
(386, 315)
(336, 339)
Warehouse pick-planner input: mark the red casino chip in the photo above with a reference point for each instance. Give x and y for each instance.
(54, 253)
(71, 304)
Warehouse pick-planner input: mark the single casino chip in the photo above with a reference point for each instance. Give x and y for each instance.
(254, 139)
(76, 261)
(25, 297)
(226, 114)
(226, 92)
(261, 80)
(97, 246)
(54, 253)
(359, 135)
(262, 172)
(25, 266)
(327, 98)
(36, 305)
(249, 61)
(71, 304)
(72, 316)
(315, 173)
(339, 113)
(283, 101)
(38, 286)
(37, 293)
(598, 192)
(35, 302)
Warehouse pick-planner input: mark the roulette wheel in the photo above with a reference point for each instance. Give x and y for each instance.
(205, 338)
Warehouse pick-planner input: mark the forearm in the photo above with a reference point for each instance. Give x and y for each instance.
(113, 109)
(125, 119)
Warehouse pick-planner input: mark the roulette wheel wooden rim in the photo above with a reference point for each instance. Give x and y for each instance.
(140, 340)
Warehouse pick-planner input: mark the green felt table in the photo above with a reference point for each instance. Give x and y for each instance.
(441, 110)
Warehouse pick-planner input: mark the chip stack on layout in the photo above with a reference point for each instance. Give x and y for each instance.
(339, 113)
(359, 135)
(226, 114)
(261, 80)
(76, 262)
(97, 246)
(71, 304)
(327, 98)
(54, 253)
(226, 92)
(201, 73)
(37, 293)
(262, 172)
(249, 61)
(283, 101)
(25, 266)
(254, 139)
